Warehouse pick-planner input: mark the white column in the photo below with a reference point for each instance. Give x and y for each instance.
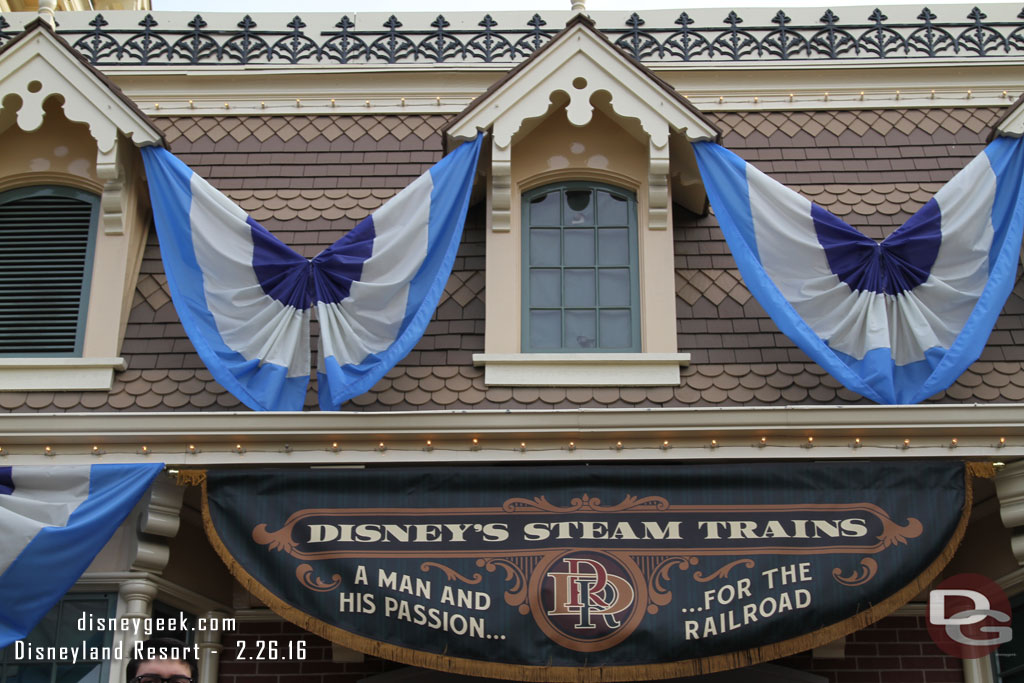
(136, 601)
(46, 8)
(209, 642)
(978, 670)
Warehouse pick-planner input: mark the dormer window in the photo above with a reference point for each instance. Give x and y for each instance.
(581, 287)
(75, 205)
(589, 150)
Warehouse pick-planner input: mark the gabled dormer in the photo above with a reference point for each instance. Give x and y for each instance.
(588, 151)
(74, 204)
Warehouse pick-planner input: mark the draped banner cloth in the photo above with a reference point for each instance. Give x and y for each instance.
(55, 520)
(245, 298)
(599, 573)
(896, 321)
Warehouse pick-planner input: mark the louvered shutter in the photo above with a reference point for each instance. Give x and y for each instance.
(46, 237)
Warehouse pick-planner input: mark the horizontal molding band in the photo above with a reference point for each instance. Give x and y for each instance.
(58, 374)
(226, 427)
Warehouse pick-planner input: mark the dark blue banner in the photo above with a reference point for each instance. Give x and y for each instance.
(588, 573)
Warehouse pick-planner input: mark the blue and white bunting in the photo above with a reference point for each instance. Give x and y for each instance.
(55, 520)
(245, 298)
(896, 321)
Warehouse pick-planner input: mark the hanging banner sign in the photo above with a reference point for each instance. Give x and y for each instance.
(588, 573)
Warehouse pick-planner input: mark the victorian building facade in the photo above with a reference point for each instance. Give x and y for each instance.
(310, 123)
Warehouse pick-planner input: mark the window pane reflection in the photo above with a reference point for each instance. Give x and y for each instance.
(613, 246)
(616, 329)
(545, 247)
(612, 210)
(614, 283)
(579, 287)
(545, 287)
(544, 209)
(579, 247)
(580, 330)
(546, 329)
(579, 210)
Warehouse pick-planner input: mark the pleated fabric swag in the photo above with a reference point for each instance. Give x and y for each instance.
(245, 298)
(895, 321)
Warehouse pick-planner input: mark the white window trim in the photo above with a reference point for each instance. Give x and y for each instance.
(578, 66)
(35, 66)
(58, 374)
(581, 369)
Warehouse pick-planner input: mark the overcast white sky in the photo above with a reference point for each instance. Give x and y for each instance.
(351, 6)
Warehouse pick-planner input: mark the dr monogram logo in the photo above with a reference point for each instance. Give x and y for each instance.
(969, 616)
(587, 590)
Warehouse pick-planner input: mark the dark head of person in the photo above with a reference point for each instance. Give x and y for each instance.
(163, 660)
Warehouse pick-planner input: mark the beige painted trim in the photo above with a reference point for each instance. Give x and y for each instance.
(581, 369)
(983, 423)
(58, 374)
(415, 88)
(736, 94)
(181, 597)
(38, 66)
(1013, 125)
(17, 180)
(966, 420)
(577, 65)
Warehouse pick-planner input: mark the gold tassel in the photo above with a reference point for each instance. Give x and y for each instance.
(983, 470)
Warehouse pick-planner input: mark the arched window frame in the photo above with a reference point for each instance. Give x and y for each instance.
(39, 69)
(600, 303)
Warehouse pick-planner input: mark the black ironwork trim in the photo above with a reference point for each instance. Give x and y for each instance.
(875, 38)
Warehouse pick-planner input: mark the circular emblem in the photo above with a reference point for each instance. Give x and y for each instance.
(587, 600)
(968, 616)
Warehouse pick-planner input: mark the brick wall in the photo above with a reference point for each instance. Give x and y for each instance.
(894, 650)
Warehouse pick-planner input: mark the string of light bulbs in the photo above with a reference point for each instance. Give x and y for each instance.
(456, 103)
(505, 446)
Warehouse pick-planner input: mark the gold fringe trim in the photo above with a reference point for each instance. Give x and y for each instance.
(191, 477)
(982, 470)
(610, 674)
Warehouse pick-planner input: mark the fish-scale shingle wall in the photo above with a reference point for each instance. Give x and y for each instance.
(311, 178)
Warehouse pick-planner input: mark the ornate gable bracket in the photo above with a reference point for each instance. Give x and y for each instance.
(38, 64)
(1011, 124)
(36, 69)
(581, 70)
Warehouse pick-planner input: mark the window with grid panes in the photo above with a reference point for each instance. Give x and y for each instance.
(46, 244)
(68, 624)
(580, 281)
